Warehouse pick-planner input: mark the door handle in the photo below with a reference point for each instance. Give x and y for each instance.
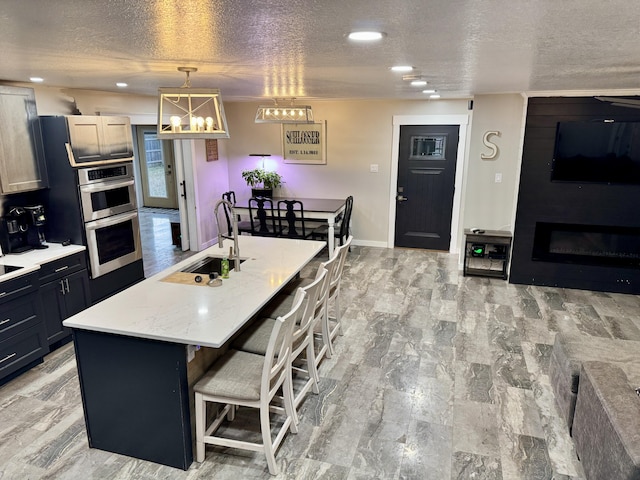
(401, 198)
(184, 189)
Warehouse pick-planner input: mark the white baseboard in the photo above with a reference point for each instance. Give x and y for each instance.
(369, 243)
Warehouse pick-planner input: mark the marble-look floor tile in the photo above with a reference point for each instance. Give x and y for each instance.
(427, 453)
(474, 382)
(479, 467)
(475, 429)
(437, 376)
(525, 457)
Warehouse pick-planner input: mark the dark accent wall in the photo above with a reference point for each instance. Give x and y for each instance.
(581, 203)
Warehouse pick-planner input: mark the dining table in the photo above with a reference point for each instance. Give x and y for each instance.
(322, 209)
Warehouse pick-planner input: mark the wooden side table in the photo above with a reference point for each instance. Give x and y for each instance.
(487, 254)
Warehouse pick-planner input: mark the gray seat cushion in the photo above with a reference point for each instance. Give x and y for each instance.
(255, 338)
(237, 374)
(279, 306)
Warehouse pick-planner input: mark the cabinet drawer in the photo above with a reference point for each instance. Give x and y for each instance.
(17, 287)
(21, 349)
(16, 315)
(64, 266)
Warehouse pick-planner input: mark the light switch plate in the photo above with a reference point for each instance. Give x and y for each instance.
(373, 168)
(498, 178)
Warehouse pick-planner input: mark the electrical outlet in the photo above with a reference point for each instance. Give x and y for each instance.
(373, 168)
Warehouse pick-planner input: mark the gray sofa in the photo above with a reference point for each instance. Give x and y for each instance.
(571, 350)
(594, 381)
(606, 424)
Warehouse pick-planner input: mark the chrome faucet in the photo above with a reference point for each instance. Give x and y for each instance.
(234, 229)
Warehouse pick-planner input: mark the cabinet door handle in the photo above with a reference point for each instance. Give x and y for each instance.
(5, 321)
(8, 357)
(2, 294)
(61, 287)
(66, 281)
(61, 268)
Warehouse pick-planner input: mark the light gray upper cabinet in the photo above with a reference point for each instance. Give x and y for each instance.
(22, 163)
(97, 138)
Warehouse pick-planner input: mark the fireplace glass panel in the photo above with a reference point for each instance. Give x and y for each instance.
(587, 244)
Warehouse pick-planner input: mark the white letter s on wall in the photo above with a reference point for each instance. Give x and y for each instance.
(490, 145)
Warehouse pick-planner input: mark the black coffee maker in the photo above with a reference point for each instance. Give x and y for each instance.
(22, 229)
(14, 228)
(37, 221)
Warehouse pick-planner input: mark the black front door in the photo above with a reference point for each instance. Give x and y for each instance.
(426, 179)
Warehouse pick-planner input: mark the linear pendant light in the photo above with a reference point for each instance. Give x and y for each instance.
(280, 114)
(186, 112)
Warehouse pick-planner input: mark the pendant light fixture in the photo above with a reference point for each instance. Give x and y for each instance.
(284, 114)
(186, 112)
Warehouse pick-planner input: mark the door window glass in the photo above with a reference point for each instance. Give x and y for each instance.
(429, 147)
(155, 165)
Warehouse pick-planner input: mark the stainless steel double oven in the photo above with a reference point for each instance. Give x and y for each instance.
(110, 215)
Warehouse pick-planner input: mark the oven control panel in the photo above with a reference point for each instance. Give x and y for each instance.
(101, 173)
(98, 174)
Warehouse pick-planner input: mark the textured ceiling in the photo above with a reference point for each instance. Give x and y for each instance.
(298, 48)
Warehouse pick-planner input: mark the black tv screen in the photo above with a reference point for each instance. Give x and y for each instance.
(600, 151)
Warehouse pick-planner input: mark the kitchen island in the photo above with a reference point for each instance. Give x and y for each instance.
(132, 349)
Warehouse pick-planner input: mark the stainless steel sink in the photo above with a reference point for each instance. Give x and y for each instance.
(209, 265)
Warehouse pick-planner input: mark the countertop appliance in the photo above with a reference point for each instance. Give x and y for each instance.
(22, 229)
(37, 222)
(14, 230)
(93, 203)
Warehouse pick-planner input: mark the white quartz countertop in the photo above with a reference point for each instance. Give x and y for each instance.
(33, 259)
(196, 314)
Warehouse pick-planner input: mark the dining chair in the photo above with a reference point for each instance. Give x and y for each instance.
(256, 338)
(341, 231)
(334, 323)
(243, 379)
(243, 225)
(291, 221)
(262, 217)
(321, 326)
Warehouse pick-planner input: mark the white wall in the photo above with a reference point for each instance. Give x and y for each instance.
(359, 134)
(211, 180)
(487, 204)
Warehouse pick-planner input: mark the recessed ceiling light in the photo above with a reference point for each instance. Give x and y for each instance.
(429, 90)
(36, 79)
(365, 36)
(418, 83)
(402, 68)
(121, 84)
(435, 95)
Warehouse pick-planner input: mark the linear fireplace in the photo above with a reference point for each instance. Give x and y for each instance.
(587, 244)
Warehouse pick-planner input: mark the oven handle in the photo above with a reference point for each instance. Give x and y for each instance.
(112, 220)
(102, 186)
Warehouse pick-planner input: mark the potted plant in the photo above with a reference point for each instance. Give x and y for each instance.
(262, 182)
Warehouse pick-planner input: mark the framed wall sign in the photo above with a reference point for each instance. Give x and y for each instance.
(211, 147)
(305, 143)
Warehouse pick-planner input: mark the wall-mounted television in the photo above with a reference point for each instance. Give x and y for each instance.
(598, 151)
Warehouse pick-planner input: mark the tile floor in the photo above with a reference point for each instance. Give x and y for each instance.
(438, 376)
(158, 251)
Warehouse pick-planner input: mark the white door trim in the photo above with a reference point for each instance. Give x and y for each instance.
(398, 120)
(182, 157)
